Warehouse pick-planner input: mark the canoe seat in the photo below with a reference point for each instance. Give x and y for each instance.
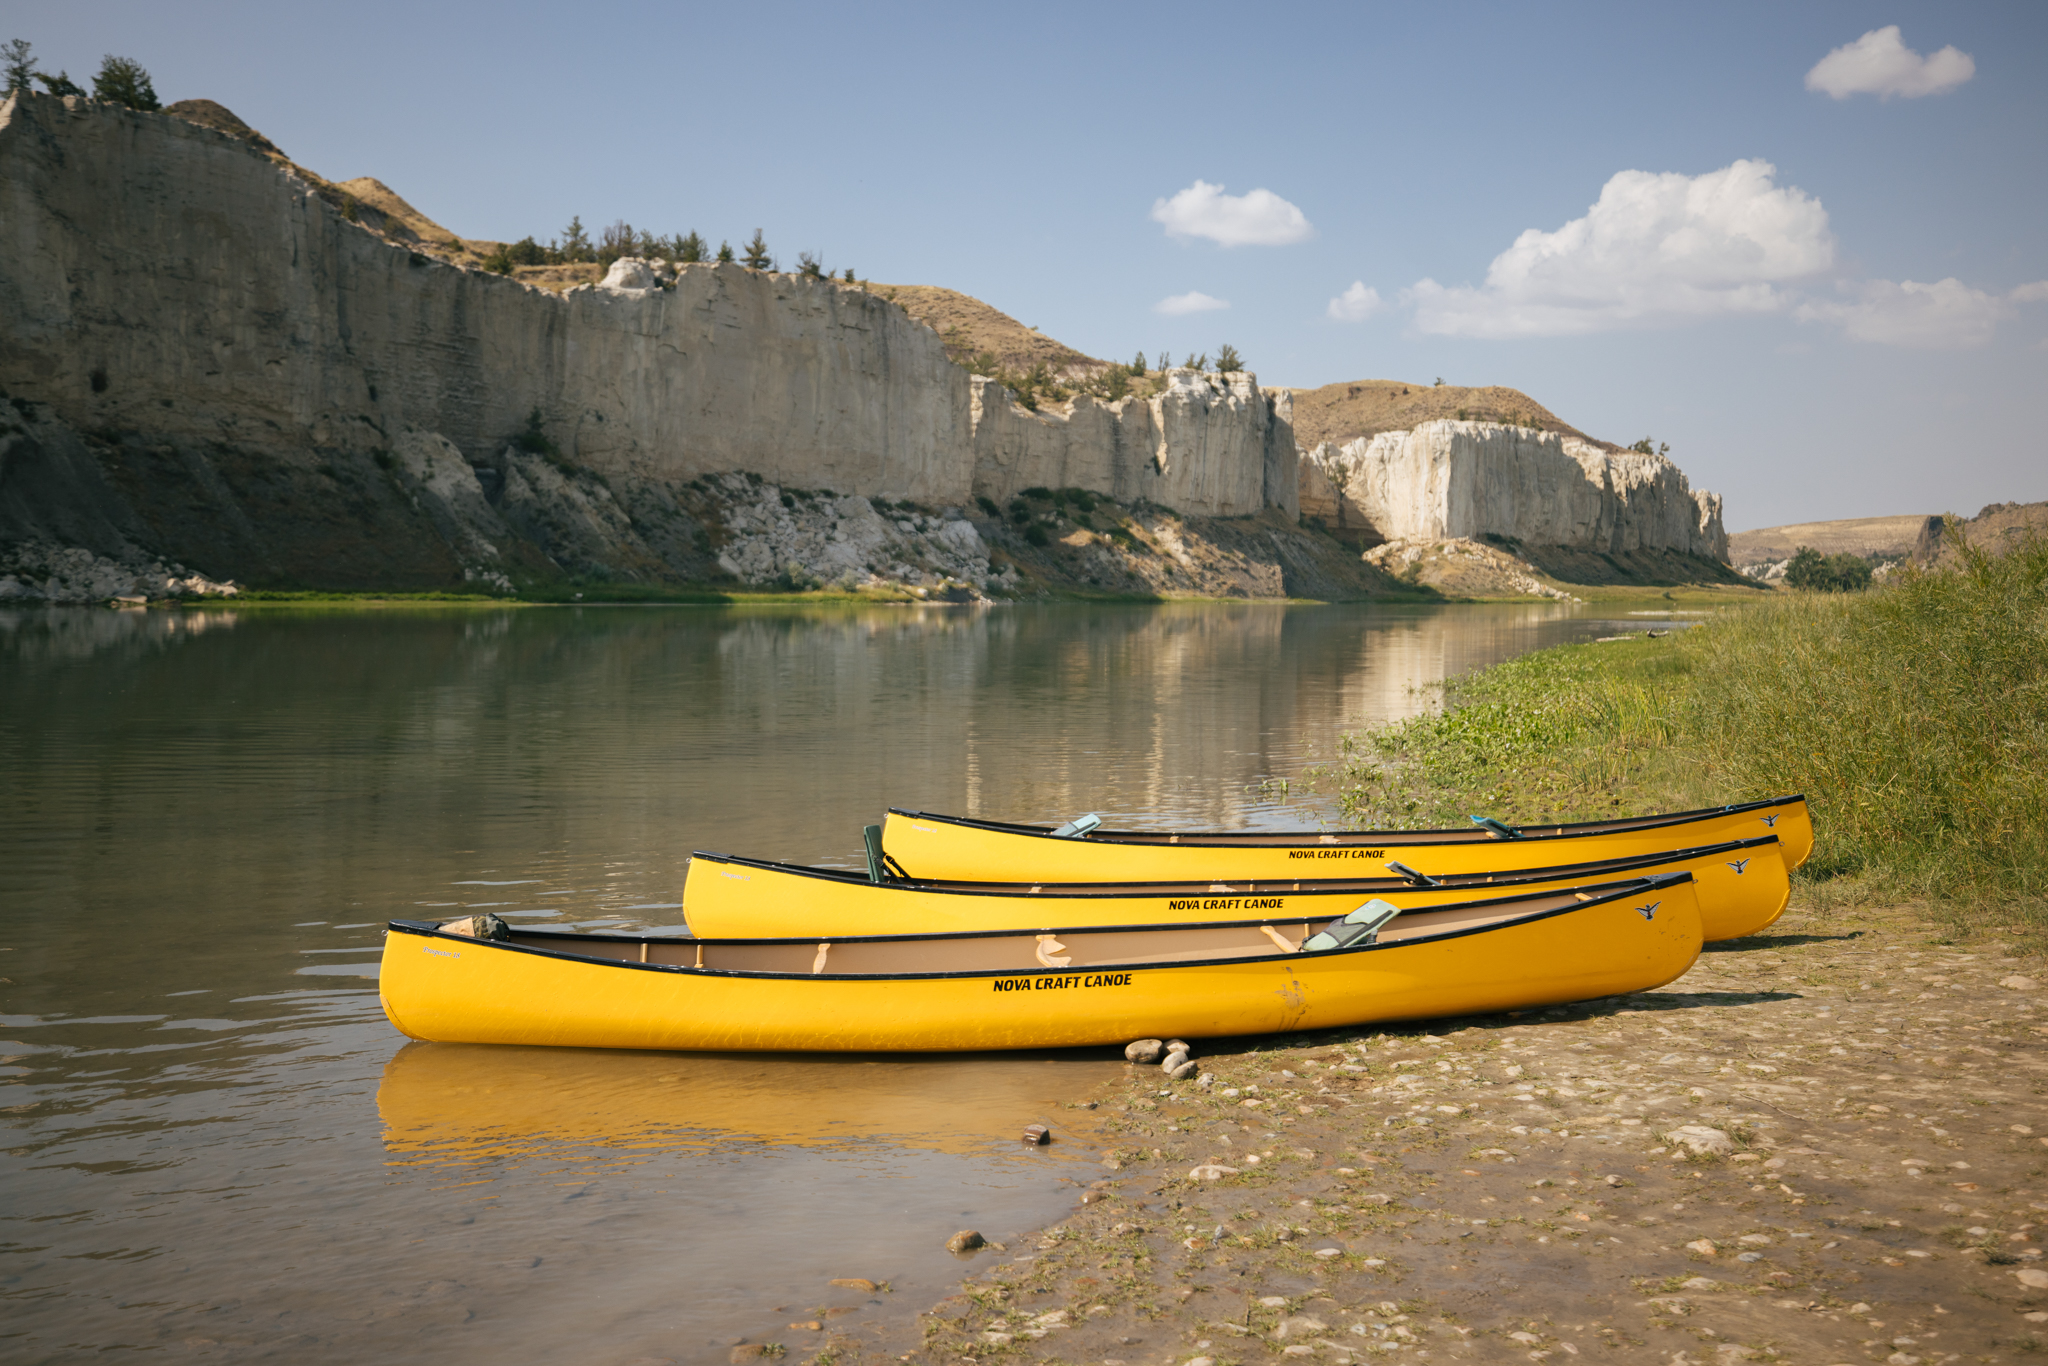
(1362, 926)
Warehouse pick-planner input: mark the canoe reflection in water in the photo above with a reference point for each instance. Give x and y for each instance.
(469, 1102)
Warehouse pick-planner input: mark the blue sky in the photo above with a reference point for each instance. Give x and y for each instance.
(1767, 294)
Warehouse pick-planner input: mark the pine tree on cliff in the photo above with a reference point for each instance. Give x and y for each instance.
(725, 251)
(757, 253)
(123, 81)
(60, 84)
(19, 65)
(690, 247)
(575, 242)
(1227, 360)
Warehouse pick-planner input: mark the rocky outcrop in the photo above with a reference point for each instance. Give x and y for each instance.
(1208, 445)
(1996, 528)
(1473, 480)
(182, 307)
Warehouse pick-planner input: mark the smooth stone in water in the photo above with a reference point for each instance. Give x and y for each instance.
(966, 1240)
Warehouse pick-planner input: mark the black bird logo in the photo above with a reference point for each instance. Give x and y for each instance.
(1771, 821)
(1649, 912)
(1738, 865)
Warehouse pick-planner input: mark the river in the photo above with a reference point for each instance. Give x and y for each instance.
(216, 1147)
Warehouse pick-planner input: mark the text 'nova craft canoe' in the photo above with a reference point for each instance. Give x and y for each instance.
(1742, 887)
(957, 848)
(1059, 988)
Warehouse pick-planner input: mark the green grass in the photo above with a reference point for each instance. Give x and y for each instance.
(1914, 718)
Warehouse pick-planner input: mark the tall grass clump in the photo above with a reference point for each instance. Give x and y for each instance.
(1914, 718)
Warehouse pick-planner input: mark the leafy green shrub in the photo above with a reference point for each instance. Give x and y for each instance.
(1036, 534)
(808, 264)
(988, 505)
(1042, 494)
(1844, 573)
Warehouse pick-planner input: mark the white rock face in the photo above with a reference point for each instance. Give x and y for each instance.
(166, 279)
(629, 272)
(1209, 445)
(1473, 479)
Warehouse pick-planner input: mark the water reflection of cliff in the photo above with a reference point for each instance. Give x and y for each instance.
(458, 1103)
(372, 758)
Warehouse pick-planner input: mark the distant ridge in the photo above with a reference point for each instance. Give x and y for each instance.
(968, 327)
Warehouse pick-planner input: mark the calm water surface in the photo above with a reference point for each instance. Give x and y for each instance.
(217, 1148)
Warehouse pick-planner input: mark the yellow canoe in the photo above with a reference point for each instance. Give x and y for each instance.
(955, 848)
(1742, 887)
(1009, 990)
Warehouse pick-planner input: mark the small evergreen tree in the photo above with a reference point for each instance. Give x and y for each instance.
(526, 252)
(60, 84)
(1117, 384)
(20, 66)
(725, 251)
(573, 245)
(1138, 366)
(123, 81)
(690, 247)
(1227, 359)
(810, 265)
(757, 253)
(848, 277)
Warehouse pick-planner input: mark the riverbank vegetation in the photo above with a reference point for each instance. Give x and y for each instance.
(1915, 720)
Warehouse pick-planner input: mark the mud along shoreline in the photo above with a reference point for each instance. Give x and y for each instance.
(1862, 1176)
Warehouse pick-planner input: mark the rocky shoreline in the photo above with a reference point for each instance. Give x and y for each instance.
(1823, 1144)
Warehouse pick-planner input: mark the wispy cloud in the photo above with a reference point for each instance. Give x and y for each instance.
(1194, 301)
(1356, 304)
(1258, 219)
(1654, 249)
(1880, 64)
(1946, 315)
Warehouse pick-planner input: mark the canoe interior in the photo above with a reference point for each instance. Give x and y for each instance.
(1066, 950)
(1603, 870)
(1310, 838)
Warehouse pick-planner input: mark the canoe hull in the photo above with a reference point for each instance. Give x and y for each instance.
(950, 849)
(445, 988)
(1741, 888)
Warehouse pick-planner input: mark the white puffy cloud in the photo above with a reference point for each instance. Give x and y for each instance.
(1356, 304)
(1880, 64)
(1653, 249)
(1258, 219)
(1946, 315)
(2034, 293)
(1194, 301)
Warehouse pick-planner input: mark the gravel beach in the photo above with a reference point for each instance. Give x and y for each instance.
(1824, 1144)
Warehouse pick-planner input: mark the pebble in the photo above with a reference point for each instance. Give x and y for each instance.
(1211, 1171)
(966, 1240)
(857, 1283)
(1143, 1051)
(2032, 1279)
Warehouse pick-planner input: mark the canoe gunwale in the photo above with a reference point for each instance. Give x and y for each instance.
(1432, 838)
(1594, 871)
(431, 930)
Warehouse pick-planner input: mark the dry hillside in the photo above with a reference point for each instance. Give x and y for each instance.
(1344, 412)
(970, 327)
(368, 202)
(1885, 537)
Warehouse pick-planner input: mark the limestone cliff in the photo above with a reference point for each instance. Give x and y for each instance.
(180, 310)
(1487, 480)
